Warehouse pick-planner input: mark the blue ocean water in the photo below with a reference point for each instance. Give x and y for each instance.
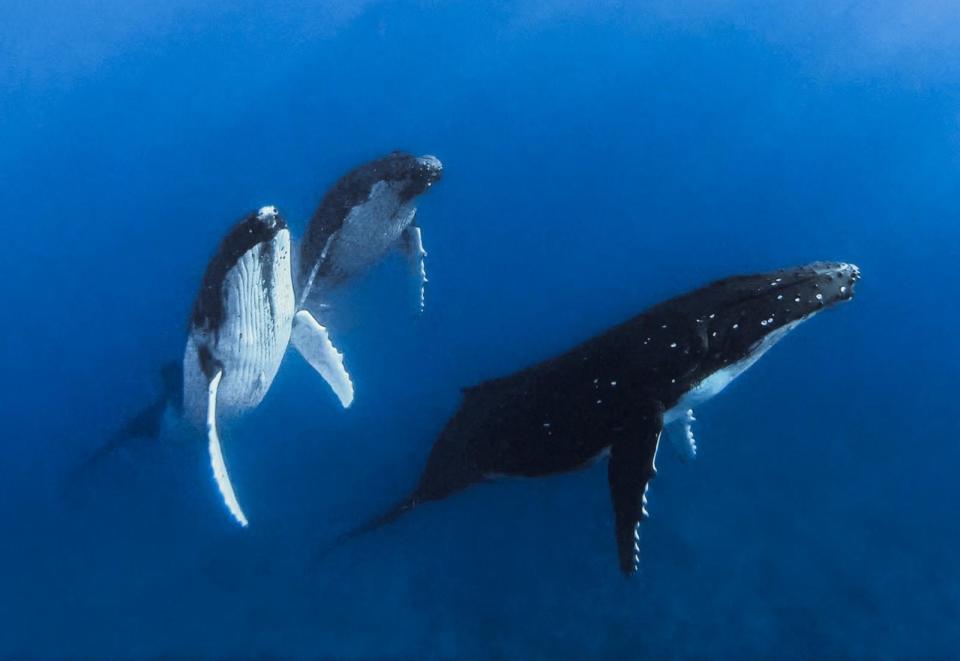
(600, 157)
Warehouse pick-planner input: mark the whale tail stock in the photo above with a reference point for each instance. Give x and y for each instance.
(449, 470)
(146, 423)
(403, 506)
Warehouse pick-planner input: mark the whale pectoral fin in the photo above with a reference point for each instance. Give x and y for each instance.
(313, 342)
(682, 438)
(216, 455)
(632, 466)
(412, 244)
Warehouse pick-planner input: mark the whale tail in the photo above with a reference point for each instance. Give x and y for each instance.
(449, 470)
(403, 506)
(147, 423)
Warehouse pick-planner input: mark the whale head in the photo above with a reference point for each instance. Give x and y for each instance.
(415, 174)
(267, 217)
(263, 226)
(743, 316)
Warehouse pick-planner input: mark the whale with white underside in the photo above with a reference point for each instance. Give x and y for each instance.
(239, 332)
(614, 394)
(367, 213)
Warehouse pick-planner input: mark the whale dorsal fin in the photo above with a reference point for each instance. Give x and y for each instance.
(216, 455)
(632, 465)
(313, 342)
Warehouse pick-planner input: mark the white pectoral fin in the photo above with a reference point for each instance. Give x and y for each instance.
(413, 247)
(216, 454)
(313, 342)
(682, 438)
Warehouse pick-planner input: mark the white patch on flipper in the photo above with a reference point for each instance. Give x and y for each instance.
(313, 342)
(681, 436)
(216, 455)
(416, 254)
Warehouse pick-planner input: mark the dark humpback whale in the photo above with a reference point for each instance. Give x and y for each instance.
(368, 212)
(614, 394)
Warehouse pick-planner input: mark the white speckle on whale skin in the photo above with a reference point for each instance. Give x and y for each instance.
(796, 300)
(613, 383)
(673, 345)
(712, 316)
(736, 326)
(664, 326)
(843, 290)
(599, 401)
(763, 323)
(546, 425)
(780, 297)
(819, 297)
(714, 333)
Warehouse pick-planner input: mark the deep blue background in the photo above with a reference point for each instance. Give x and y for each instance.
(599, 158)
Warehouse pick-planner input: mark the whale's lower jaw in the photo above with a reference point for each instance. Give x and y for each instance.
(715, 383)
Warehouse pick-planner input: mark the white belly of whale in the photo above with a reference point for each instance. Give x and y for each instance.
(716, 382)
(253, 337)
(369, 231)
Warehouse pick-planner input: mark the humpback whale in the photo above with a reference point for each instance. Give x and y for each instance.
(239, 330)
(614, 394)
(368, 212)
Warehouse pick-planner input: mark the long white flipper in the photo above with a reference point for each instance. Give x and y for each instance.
(216, 455)
(413, 247)
(313, 342)
(681, 436)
